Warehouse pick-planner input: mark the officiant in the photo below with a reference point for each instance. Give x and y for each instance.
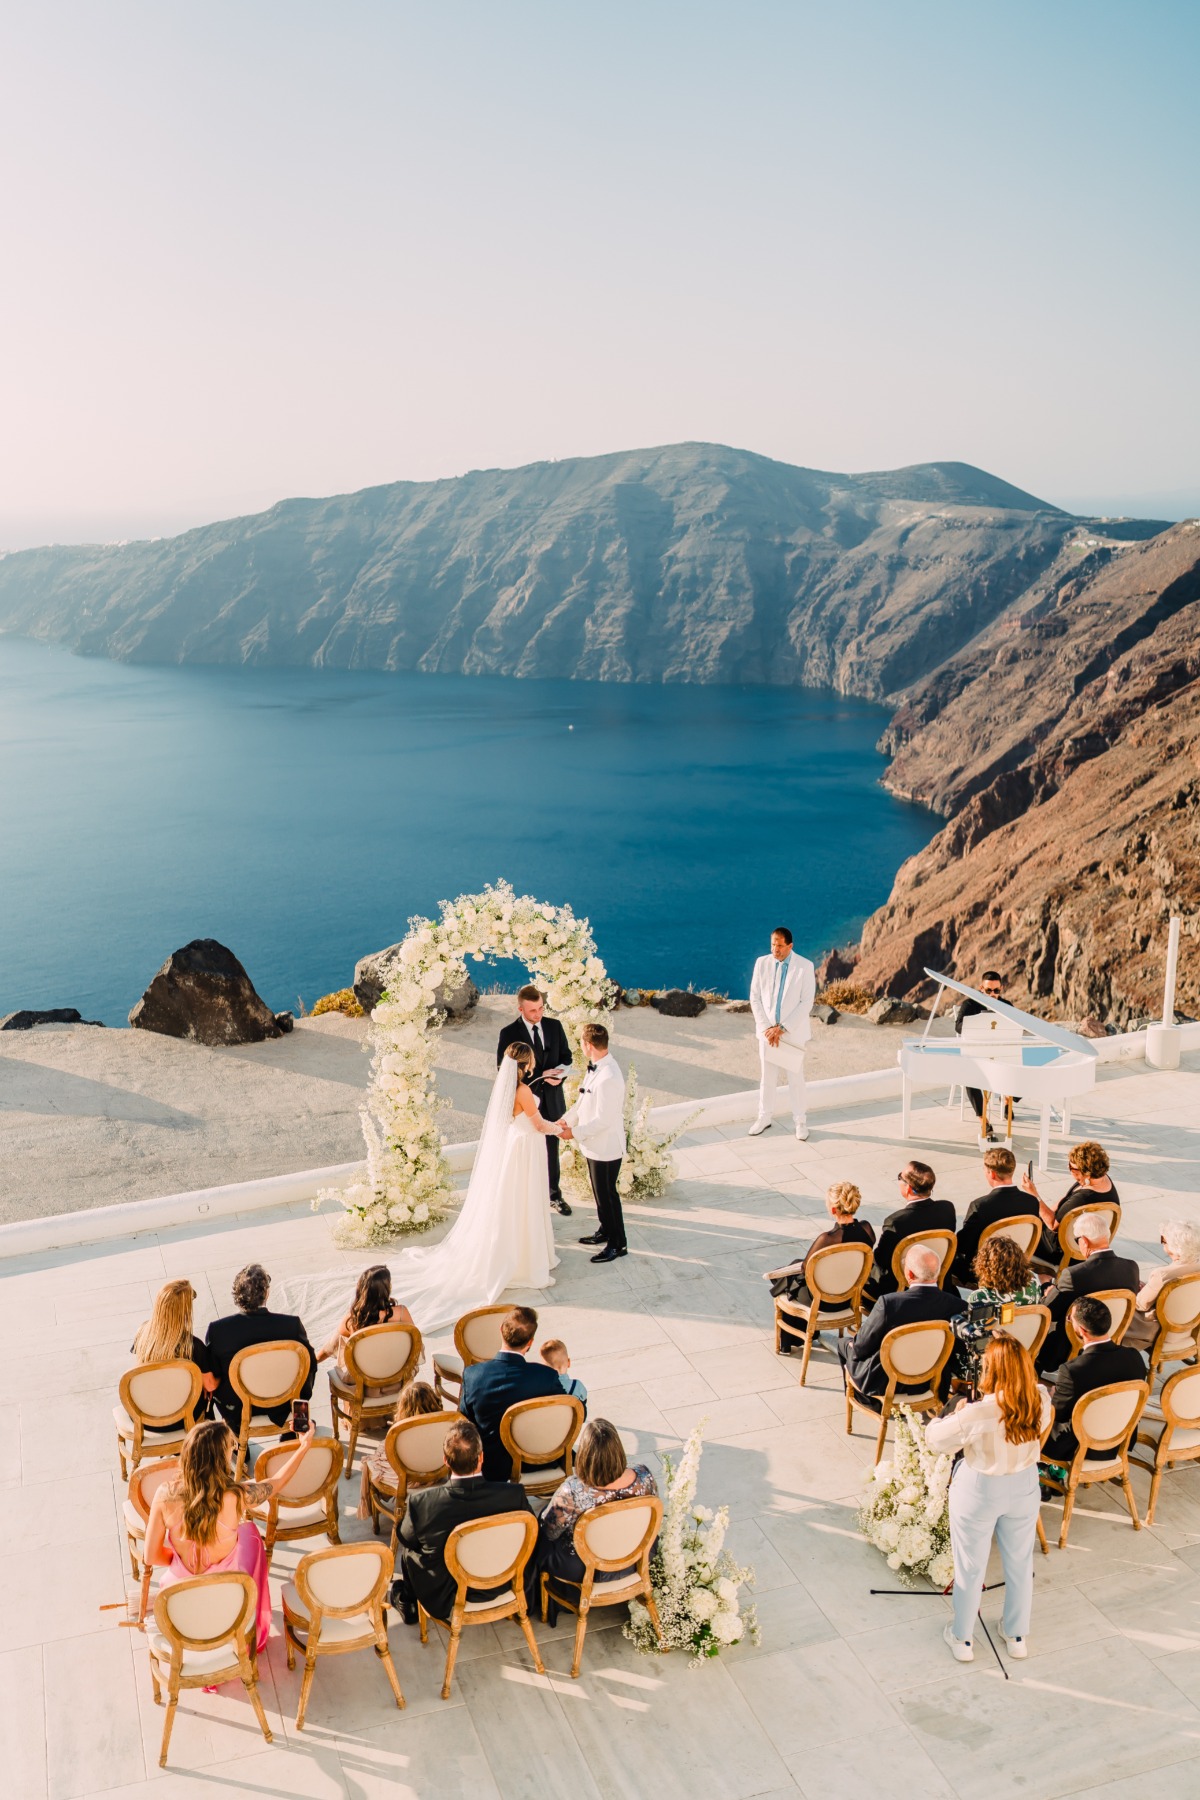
(550, 1051)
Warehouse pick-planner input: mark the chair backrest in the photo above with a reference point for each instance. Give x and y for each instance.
(1180, 1399)
(1024, 1230)
(542, 1430)
(618, 1532)
(939, 1238)
(477, 1334)
(417, 1446)
(1068, 1243)
(1178, 1303)
(146, 1479)
(271, 1374)
(348, 1578)
(490, 1552)
(158, 1393)
(379, 1355)
(207, 1610)
(917, 1352)
(1104, 1419)
(1029, 1325)
(838, 1272)
(1121, 1304)
(320, 1469)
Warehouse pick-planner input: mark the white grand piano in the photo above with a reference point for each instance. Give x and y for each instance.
(1004, 1052)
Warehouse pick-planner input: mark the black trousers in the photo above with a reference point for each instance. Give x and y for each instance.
(603, 1177)
(552, 1167)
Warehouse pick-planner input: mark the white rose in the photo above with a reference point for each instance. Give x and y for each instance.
(703, 1605)
(398, 1213)
(941, 1569)
(377, 1214)
(410, 951)
(727, 1628)
(894, 1560)
(727, 1591)
(420, 1213)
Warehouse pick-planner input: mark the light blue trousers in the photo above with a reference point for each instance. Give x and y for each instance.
(980, 1505)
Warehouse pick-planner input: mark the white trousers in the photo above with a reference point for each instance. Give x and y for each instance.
(787, 1060)
(980, 1505)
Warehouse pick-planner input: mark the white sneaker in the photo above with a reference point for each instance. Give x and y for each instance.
(1016, 1647)
(959, 1651)
(802, 1131)
(761, 1124)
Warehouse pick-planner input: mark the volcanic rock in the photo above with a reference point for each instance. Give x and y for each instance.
(54, 1015)
(370, 977)
(825, 1015)
(677, 1003)
(889, 1011)
(203, 993)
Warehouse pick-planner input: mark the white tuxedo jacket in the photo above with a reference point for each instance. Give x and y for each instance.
(597, 1118)
(799, 992)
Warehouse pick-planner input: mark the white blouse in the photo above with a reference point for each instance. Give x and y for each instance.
(978, 1431)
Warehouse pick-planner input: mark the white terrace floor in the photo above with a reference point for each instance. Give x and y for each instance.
(848, 1695)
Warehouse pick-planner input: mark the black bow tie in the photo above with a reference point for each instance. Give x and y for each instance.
(591, 1068)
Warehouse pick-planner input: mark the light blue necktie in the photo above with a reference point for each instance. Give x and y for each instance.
(783, 975)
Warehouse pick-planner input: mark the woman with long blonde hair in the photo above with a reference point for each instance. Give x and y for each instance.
(995, 1490)
(167, 1335)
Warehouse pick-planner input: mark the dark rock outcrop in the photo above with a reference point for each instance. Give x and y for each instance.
(203, 993)
(677, 1003)
(54, 1015)
(824, 1015)
(370, 973)
(889, 1011)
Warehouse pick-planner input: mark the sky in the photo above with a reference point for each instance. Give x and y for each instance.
(252, 251)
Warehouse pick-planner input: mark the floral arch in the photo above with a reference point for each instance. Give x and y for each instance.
(408, 1183)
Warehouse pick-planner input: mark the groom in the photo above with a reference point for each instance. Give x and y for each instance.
(550, 1051)
(597, 1122)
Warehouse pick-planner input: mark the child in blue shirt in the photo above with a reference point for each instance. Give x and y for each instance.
(554, 1352)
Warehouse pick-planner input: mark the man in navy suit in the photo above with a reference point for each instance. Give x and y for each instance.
(550, 1051)
(922, 1300)
(490, 1388)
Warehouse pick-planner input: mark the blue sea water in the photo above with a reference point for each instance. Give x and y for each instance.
(301, 817)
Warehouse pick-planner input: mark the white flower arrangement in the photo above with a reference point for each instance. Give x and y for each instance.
(696, 1583)
(408, 1186)
(647, 1168)
(905, 1512)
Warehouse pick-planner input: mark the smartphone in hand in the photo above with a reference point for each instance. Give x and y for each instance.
(300, 1416)
(1029, 1170)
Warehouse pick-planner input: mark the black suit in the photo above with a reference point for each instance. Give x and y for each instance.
(916, 1215)
(1094, 1367)
(1103, 1269)
(489, 1389)
(229, 1335)
(554, 1051)
(1009, 1202)
(860, 1357)
(431, 1515)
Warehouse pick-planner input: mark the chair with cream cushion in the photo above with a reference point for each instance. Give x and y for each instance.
(265, 1377)
(379, 1360)
(616, 1535)
(916, 1355)
(307, 1506)
(940, 1239)
(1024, 1231)
(1030, 1325)
(1104, 1422)
(540, 1436)
(416, 1454)
(203, 1635)
(835, 1277)
(487, 1553)
(154, 1398)
(1121, 1304)
(1177, 1310)
(476, 1339)
(143, 1483)
(1068, 1243)
(1173, 1429)
(337, 1604)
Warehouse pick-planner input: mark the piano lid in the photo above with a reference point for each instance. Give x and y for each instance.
(1052, 1034)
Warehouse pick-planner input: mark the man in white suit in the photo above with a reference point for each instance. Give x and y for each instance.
(597, 1122)
(782, 992)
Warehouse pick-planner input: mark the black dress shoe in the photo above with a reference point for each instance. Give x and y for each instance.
(559, 1205)
(597, 1237)
(610, 1253)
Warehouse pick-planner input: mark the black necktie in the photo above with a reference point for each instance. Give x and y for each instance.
(537, 1040)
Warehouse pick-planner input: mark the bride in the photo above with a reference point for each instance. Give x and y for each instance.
(502, 1237)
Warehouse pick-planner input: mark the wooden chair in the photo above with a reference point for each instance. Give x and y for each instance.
(487, 1553)
(1030, 1325)
(941, 1239)
(835, 1277)
(154, 1398)
(1121, 1304)
(1177, 1310)
(202, 1635)
(415, 1450)
(336, 1604)
(916, 1355)
(265, 1377)
(476, 1339)
(1067, 1241)
(308, 1505)
(542, 1433)
(379, 1360)
(143, 1483)
(1024, 1231)
(1104, 1422)
(1177, 1437)
(617, 1535)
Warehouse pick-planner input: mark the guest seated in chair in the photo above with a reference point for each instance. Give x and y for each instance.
(432, 1514)
(842, 1202)
(167, 1336)
(602, 1472)
(923, 1299)
(1003, 1200)
(414, 1401)
(490, 1388)
(554, 1353)
(1099, 1363)
(372, 1305)
(1101, 1268)
(917, 1211)
(1180, 1238)
(1005, 1278)
(252, 1324)
(1088, 1164)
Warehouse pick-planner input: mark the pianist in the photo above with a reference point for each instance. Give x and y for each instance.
(1003, 1200)
(992, 984)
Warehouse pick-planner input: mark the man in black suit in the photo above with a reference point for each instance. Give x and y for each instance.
(490, 1388)
(1101, 1268)
(251, 1324)
(1098, 1363)
(432, 1514)
(1003, 1200)
(992, 984)
(923, 1299)
(550, 1051)
(918, 1211)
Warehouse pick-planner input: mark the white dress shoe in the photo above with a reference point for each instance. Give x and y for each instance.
(802, 1132)
(1016, 1647)
(959, 1651)
(761, 1124)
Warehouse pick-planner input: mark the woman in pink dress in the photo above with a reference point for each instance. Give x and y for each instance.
(198, 1523)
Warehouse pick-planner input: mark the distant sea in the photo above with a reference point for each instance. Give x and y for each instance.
(301, 817)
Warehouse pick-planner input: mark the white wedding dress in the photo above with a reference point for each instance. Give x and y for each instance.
(502, 1237)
